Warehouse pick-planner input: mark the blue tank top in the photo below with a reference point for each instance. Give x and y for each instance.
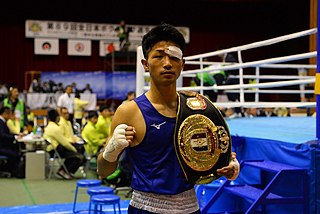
(156, 167)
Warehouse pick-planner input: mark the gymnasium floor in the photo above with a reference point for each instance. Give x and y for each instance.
(56, 195)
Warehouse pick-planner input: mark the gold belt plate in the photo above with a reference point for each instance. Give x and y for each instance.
(201, 142)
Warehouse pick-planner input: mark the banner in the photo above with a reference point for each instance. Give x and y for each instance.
(44, 46)
(79, 47)
(107, 85)
(91, 31)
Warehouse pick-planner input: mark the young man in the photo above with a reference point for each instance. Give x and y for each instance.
(8, 146)
(66, 100)
(94, 139)
(104, 121)
(146, 129)
(65, 148)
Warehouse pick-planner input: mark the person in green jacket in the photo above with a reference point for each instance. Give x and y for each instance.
(17, 106)
(91, 135)
(209, 79)
(104, 121)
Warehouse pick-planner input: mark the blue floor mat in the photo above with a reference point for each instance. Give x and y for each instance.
(60, 208)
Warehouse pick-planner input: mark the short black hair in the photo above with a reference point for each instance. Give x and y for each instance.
(162, 32)
(92, 114)
(52, 115)
(4, 109)
(102, 108)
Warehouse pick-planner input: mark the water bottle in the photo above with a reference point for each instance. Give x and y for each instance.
(39, 131)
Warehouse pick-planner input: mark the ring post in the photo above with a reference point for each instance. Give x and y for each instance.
(317, 85)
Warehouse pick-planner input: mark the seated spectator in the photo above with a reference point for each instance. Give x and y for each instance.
(8, 145)
(65, 148)
(13, 123)
(67, 130)
(79, 106)
(94, 139)
(130, 96)
(104, 121)
(18, 105)
(87, 89)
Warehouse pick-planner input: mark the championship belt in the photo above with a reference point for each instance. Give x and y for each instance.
(202, 138)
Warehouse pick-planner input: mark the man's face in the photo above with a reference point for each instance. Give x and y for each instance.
(6, 115)
(106, 113)
(65, 114)
(69, 90)
(164, 64)
(15, 93)
(94, 120)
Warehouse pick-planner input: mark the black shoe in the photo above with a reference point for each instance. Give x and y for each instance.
(64, 175)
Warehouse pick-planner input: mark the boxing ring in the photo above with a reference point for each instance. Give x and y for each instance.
(288, 140)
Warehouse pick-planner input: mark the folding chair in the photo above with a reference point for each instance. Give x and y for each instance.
(53, 158)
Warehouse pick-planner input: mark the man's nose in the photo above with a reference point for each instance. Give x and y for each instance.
(167, 62)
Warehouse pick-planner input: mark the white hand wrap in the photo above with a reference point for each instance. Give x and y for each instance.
(116, 144)
(234, 162)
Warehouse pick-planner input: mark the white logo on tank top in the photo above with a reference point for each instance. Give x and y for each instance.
(158, 126)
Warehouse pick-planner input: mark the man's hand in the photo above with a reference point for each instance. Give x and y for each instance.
(122, 137)
(232, 170)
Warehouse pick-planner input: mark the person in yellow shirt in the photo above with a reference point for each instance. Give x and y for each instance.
(79, 106)
(67, 130)
(91, 135)
(65, 148)
(13, 123)
(104, 121)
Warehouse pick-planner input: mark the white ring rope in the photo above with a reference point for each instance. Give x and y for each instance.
(257, 87)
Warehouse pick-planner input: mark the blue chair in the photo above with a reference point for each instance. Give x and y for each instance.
(84, 183)
(98, 190)
(105, 199)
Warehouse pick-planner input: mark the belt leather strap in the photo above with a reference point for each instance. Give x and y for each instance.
(202, 138)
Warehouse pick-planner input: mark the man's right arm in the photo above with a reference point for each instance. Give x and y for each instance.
(121, 136)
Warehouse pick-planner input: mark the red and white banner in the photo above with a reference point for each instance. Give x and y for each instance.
(44, 46)
(79, 47)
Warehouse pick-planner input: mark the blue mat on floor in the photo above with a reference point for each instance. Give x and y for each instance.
(59, 208)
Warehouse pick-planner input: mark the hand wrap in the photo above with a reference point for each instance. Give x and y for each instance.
(116, 144)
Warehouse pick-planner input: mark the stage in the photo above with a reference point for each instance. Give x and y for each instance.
(288, 140)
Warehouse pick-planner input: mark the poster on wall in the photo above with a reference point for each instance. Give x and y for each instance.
(44, 46)
(107, 85)
(78, 47)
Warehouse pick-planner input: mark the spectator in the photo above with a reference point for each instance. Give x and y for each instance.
(87, 89)
(79, 106)
(13, 123)
(66, 100)
(8, 145)
(74, 88)
(65, 148)
(18, 106)
(67, 130)
(123, 35)
(104, 121)
(94, 139)
(130, 96)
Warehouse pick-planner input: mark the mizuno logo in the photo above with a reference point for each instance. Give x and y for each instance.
(157, 126)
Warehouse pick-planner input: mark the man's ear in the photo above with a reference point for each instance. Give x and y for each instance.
(145, 64)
